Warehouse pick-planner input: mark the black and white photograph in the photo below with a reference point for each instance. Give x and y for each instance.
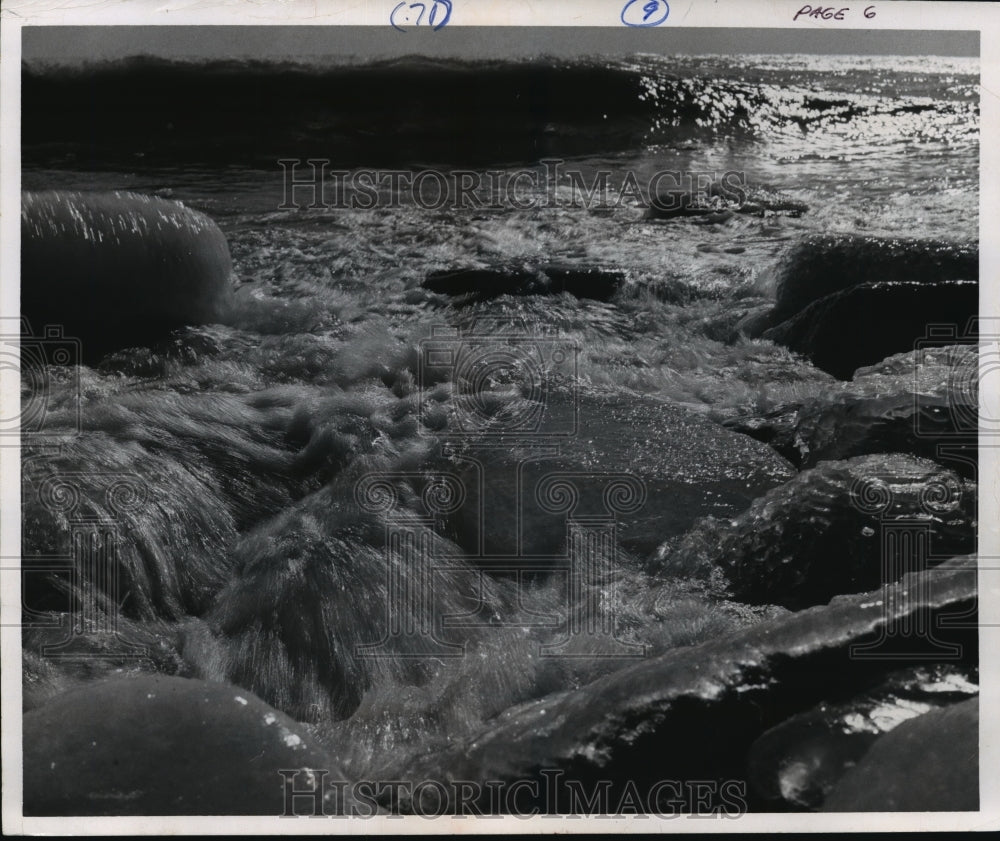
(466, 425)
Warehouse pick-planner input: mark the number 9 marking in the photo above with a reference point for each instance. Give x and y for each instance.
(645, 12)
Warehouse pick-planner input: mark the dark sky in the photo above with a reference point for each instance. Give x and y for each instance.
(54, 43)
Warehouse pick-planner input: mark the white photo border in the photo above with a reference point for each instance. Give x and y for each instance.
(707, 14)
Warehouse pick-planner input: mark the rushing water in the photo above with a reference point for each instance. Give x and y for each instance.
(250, 435)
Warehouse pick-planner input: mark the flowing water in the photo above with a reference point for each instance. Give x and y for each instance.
(250, 436)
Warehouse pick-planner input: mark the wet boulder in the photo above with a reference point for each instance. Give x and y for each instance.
(927, 764)
(332, 598)
(845, 301)
(156, 745)
(924, 402)
(865, 323)
(753, 323)
(584, 281)
(825, 532)
(680, 204)
(115, 269)
(485, 283)
(720, 201)
(469, 285)
(826, 264)
(178, 476)
(796, 764)
(652, 466)
(692, 714)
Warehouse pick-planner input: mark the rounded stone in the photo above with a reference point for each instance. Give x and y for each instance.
(116, 268)
(158, 745)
